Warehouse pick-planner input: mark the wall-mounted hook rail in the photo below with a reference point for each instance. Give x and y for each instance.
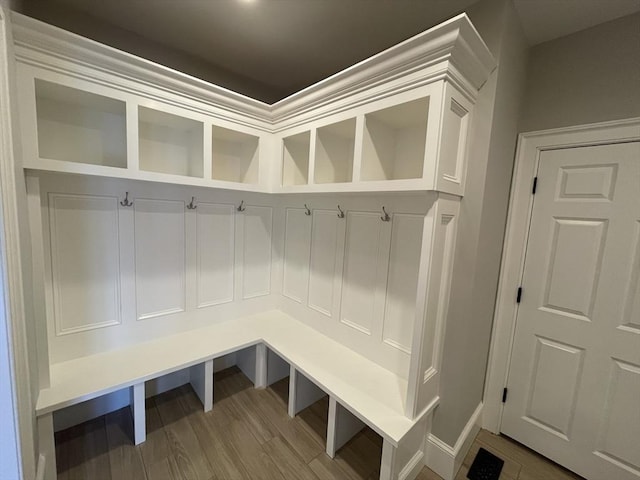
(307, 211)
(241, 207)
(126, 202)
(385, 217)
(191, 206)
(340, 212)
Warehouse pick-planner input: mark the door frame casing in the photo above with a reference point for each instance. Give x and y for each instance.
(530, 146)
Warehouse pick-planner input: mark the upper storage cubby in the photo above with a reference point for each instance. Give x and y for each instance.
(295, 159)
(335, 145)
(169, 144)
(234, 156)
(398, 121)
(78, 126)
(394, 142)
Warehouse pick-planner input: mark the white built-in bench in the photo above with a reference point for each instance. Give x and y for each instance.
(360, 391)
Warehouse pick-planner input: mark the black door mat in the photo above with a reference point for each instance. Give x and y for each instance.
(486, 466)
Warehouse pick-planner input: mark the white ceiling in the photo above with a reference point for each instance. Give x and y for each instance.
(271, 48)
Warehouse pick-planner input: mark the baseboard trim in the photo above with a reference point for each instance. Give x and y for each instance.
(413, 466)
(446, 460)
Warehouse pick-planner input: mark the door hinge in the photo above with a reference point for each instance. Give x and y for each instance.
(535, 185)
(504, 395)
(519, 295)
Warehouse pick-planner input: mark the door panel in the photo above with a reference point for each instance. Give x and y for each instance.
(574, 378)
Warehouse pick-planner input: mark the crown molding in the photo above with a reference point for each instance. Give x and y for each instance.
(452, 51)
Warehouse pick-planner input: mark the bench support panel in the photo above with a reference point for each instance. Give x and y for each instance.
(405, 461)
(341, 427)
(201, 379)
(302, 392)
(47, 445)
(138, 413)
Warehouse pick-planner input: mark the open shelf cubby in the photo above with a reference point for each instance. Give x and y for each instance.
(234, 156)
(79, 126)
(394, 141)
(295, 161)
(334, 152)
(170, 144)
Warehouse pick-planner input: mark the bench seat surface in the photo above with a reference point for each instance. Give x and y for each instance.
(372, 393)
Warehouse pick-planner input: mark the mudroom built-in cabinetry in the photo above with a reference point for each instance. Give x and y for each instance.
(176, 225)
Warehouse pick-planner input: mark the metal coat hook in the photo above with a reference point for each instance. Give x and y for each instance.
(126, 202)
(385, 217)
(341, 213)
(241, 207)
(308, 212)
(191, 206)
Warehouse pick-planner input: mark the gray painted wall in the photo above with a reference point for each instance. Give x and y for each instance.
(482, 220)
(587, 77)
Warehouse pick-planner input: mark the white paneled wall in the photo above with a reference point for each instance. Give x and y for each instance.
(355, 278)
(116, 275)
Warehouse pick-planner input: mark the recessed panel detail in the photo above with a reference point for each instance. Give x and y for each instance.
(360, 270)
(85, 261)
(296, 254)
(402, 280)
(324, 252)
(620, 431)
(574, 265)
(555, 379)
(257, 251)
(595, 182)
(631, 315)
(160, 257)
(215, 253)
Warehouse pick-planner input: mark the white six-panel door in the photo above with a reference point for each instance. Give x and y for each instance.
(574, 379)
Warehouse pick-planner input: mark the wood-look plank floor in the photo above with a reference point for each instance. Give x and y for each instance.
(247, 435)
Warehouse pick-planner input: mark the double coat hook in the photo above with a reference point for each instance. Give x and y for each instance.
(241, 207)
(340, 212)
(307, 211)
(191, 206)
(385, 217)
(126, 202)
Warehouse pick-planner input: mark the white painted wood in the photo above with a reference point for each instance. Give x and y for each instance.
(257, 223)
(341, 427)
(247, 360)
(446, 460)
(215, 244)
(334, 152)
(394, 142)
(235, 156)
(402, 281)
(529, 147)
(297, 242)
(295, 170)
(452, 160)
(302, 392)
(327, 244)
(436, 264)
(138, 413)
(262, 365)
(169, 144)
(201, 379)
(364, 267)
(77, 126)
(84, 252)
(277, 368)
(574, 378)
(159, 235)
(46, 445)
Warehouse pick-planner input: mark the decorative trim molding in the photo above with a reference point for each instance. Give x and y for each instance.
(413, 466)
(520, 207)
(446, 460)
(452, 51)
